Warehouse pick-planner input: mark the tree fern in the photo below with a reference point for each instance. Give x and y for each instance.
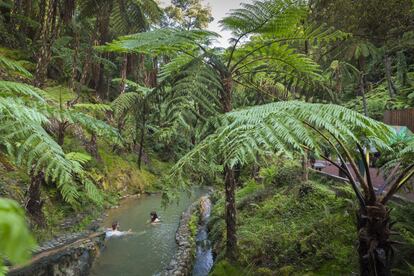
(30, 146)
(282, 127)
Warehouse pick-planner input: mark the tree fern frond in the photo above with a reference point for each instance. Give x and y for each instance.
(79, 157)
(10, 88)
(159, 41)
(96, 126)
(278, 18)
(281, 127)
(125, 102)
(13, 66)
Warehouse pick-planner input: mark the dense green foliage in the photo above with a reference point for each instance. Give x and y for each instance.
(92, 93)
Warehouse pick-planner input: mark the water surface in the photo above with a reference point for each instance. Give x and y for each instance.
(204, 254)
(150, 250)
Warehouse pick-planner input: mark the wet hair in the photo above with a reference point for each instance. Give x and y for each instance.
(154, 216)
(114, 225)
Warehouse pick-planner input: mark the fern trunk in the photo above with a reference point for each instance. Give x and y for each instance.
(374, 249)
(305, 171)
(229, 179)
(364, 98)
(103, 19)
(34, 203)
(141, 146)
(142, 134)
(92, 147)
(124, 67)
(230, 186)
(388, 68)
(61, 132)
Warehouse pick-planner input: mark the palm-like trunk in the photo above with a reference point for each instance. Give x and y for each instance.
(374, 249)
(305, 170)
(229, 179)
(124, 68)
(34, 203)
(230, 186)
(103, 20)
(92, 147)
(74, 73)
(362, 91)
(142, 136)
(388, 68)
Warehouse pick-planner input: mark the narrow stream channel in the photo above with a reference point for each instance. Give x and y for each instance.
(149, 251)
(204, 255)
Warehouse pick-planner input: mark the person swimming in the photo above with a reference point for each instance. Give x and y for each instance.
(154, 217)
(114, 231)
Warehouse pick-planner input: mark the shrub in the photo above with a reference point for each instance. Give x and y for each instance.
(286, 172)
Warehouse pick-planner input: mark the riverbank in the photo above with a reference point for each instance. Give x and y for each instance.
(290, 227)
(194, 255)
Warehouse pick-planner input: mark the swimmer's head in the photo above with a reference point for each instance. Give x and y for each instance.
(115, 225)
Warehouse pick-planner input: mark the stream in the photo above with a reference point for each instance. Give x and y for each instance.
(149, 250)
(204, 255)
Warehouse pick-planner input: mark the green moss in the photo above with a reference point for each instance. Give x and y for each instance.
(193, 226)
(224, 268)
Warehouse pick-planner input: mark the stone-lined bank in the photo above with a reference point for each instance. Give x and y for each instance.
(63, 257)
(189, 226)
(182, 261)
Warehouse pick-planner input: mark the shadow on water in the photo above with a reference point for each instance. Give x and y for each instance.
(150, 249)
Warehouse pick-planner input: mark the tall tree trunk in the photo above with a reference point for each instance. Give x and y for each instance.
(103, 20)
(48, 35)
(229, 181)
(74, 74)
(391, 87)
(124, 68)
(362, 91)
(230, 186)
(61, 132)
(92, 147)
(142, 137)
(305, 170)
(34, 203)
(374, 248)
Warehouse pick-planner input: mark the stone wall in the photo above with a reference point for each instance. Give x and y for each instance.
(71, 259)
(182, 261)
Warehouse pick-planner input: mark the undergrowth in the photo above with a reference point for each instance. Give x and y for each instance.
(298, 228)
